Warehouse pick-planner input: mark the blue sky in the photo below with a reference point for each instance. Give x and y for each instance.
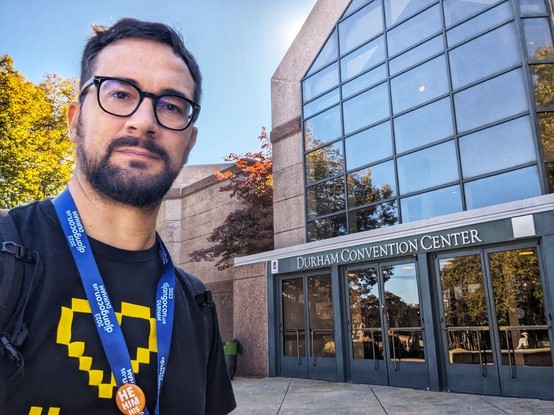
(238, 45)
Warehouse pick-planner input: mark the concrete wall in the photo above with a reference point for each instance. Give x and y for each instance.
(187, 217)
(286, 134)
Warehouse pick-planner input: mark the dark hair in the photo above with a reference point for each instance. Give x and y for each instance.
(128, 28)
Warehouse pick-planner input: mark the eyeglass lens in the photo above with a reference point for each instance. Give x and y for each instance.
(121, 98)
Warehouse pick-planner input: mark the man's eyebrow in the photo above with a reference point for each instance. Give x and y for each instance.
(165, 91)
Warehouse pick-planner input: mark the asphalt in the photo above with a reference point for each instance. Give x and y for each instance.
(281, 396)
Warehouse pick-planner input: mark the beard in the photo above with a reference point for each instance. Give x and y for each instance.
(130, 185)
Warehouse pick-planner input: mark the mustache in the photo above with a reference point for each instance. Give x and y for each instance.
(129, 141)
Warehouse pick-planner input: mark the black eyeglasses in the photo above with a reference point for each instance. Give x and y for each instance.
(122, 99)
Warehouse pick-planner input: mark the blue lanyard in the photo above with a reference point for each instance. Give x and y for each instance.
(104, 316)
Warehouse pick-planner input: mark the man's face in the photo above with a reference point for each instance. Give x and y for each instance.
(133, 160)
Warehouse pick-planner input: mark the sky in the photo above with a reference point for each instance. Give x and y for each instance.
(238, 45)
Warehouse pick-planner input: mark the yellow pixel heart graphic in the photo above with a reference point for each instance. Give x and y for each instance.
(76, 349)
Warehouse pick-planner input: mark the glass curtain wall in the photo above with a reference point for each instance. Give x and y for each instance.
(419, 108)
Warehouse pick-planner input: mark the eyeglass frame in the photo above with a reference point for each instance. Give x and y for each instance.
(99, 80)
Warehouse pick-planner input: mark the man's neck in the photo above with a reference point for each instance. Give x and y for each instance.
(111, 222)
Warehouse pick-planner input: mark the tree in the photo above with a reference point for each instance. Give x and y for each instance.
(36, 157)
(247, 230)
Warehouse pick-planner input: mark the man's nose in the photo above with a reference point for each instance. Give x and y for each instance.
(144, 118)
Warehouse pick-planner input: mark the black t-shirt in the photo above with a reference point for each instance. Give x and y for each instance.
(66, 370)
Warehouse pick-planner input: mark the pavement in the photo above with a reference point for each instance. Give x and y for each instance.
(281, 396)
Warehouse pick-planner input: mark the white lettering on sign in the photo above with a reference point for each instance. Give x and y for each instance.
(425, 243)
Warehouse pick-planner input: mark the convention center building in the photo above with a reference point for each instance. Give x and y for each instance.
(413, 146)
(413, 152)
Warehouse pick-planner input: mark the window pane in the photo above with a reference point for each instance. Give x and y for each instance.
(458, 10)
(368, 146)
(496, 148)
(532, 7)
(396, 11)
(419, 85)
(371, 185)
(494, 51)
(364, 81)
(321, 103)
(427, 168)
(361, 26)
(373, 217)
(499, 14)
(320, 82)
(416, 55)
(423, 126)
(550, 176)
(490, 101)
(538, 38)
(414, 30)
(546, 131)
(328, 53)
(325, 198)
(324, 162)
(503, 188)
(362, 59)
(431, 204)
(327, 228)
(355, 5)
(322, 128)
(366, 108)
(543, 83)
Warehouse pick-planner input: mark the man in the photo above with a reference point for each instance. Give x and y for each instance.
(112, 328)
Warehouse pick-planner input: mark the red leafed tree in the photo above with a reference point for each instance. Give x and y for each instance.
(247, 230)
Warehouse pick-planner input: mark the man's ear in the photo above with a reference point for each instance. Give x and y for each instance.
(73, 120)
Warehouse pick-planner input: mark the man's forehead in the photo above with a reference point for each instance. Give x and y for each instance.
(147, 62)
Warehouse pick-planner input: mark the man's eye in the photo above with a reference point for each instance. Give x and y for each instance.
(120, 94)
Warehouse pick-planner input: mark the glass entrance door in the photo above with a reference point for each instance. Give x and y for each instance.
(385, 329)
(494, 323)
(307, 328)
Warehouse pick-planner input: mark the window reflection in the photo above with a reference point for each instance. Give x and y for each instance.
(322, 128)
(431, 204)
(465, 311)
(494, 51)
(538, 38)
(324, 162)
(395, 10)
(364, 81)
(320, 82)
(458, 10)
(427, 168)
(519, 304)
(294, 333)
(416, 55)
(493, 100)
(322, 322)
(543, 82)
(480, 151)
(326, 197)
(415, 30)
(363, 58)
(328, 53)
(528, 7)
(360, 27)
(480, 23)
(369, 146)
(425, 125)
(503, 188)
(365, 314)
(371, 185)
(366, 108)
(373, 217)
(325, 228)
(321, 103)
(546, 130)
(421, 84)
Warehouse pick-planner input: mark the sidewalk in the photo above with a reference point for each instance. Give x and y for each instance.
(302, 396)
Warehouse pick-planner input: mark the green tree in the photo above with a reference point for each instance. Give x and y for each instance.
(247, 230)
(36, 157)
